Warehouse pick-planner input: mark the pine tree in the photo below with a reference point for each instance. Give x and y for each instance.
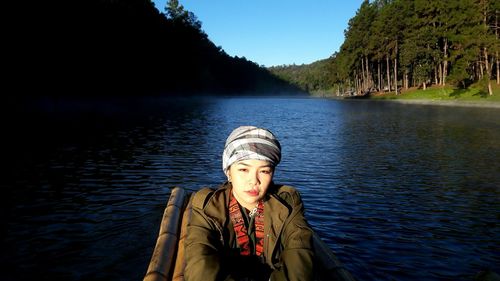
(177, 13)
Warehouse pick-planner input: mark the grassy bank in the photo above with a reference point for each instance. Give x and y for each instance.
(474, 93)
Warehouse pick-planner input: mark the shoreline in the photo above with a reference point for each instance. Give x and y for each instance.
(456, 103)
(439, 95)
(463, 103)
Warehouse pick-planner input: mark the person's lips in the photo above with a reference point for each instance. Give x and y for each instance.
(252, 192)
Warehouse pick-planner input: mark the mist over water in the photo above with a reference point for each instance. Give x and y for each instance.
(399, 192)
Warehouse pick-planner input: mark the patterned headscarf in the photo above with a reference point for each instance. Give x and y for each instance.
(249, 142)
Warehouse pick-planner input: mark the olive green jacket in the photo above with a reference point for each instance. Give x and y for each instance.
(210, 241)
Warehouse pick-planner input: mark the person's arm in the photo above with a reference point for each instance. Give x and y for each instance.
(202, 248)
(297, 255)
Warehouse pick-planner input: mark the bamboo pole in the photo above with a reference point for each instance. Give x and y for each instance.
(162, 261)
(180, 262)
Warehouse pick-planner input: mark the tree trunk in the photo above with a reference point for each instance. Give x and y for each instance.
(498, 71)
(407, 81)
(363, 72)
(481, 70)
(445, 62)
(368, 74)
(396, 68)
(496, 33)
(488, 72)
(388, 73)
(356, 82)
(440, 75)
(436, 73)
(424, 86)
(396, 75)
(379, 78)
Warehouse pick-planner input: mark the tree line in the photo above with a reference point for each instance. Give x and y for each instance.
(396, 44)
(120, 47)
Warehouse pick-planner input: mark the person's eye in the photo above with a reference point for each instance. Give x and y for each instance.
(267, 172)
(242, 169)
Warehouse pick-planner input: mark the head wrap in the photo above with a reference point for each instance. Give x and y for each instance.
(249, 142)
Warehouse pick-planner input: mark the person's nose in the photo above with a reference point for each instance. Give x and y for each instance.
(254, 178)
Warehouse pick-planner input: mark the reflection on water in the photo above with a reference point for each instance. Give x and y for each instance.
(400, 192)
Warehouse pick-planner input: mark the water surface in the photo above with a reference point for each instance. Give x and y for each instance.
(399, 192)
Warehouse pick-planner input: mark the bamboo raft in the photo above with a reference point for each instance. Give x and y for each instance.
(167, 262)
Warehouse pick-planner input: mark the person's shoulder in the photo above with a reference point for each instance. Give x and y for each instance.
(285, 189)
(288, 193)
(204, 195)
(201, 197)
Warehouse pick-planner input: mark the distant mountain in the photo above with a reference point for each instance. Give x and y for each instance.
(308, 77)
(120, 47)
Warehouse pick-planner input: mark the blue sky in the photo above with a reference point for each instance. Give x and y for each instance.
(274, 32)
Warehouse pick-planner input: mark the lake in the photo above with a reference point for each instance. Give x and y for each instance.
(398, 191)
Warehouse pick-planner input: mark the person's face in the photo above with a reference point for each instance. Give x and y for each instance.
(250, 179)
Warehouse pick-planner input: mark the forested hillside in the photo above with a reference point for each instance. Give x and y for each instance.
(394, 45)
(120, 47)
(309, 77)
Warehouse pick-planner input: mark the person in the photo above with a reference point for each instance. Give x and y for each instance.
(249, 228)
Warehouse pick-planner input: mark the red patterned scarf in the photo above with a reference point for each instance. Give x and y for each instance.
(241, 230)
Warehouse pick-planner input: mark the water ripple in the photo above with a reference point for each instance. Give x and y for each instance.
(398, 192)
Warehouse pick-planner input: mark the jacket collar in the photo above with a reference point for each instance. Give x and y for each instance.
(274, 208)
